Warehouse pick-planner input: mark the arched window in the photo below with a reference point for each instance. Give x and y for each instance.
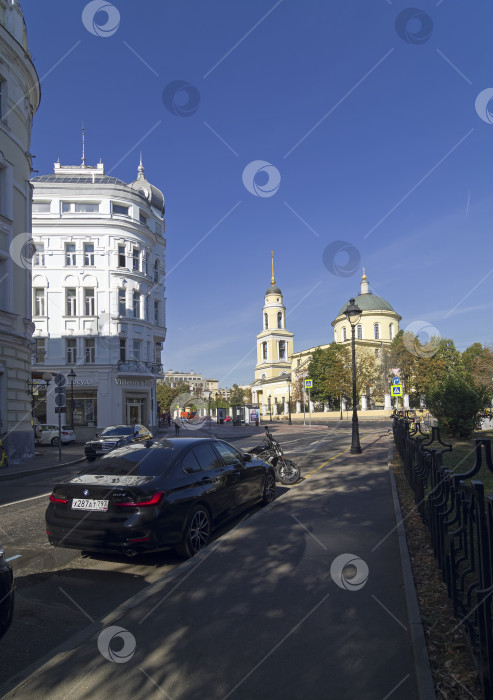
(391, 331)
(264, 351)
(266, 321)
(282, 349)
(344, 333)
(279, 319)
(376, 331)
(359, 331)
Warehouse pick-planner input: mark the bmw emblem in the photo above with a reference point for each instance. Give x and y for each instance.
(86, 492)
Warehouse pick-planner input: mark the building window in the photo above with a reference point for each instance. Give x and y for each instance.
(156, 313)
(71, 351)
(156, 271)
(71, 300)
(359, 331)
(264, 351)
(40, 350)
(157, 352)
(39, 255)
(344, 337)
(121, 256)
(146, 308)
(279, 319)
(90, 351)
(266, 321)
(39, 301)
(135, 259)
(122, 303)
(123, 350)
(70, 254)
(136, 346)
(376, 331)
(41, 207)
(80, 207)
(145, 260)
(89, 254)
(136, 304)
(120, 209)
(391, 331)
(282, 349)
(89, 302)
(142, 218)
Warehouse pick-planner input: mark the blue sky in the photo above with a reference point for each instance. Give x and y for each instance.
(365, 110)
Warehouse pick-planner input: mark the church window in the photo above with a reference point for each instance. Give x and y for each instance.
(282, 349)
(344, 336)
(264, 351)
(359, 331)
(376, 331)
(279, 319)
(266, 321)
(391, 331)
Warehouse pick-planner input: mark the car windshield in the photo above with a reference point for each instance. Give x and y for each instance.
(117, 430)
(140, 461)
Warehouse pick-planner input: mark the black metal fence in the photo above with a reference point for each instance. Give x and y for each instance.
(460, 519)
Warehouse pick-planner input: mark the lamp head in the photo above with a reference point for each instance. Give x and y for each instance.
(353, 312)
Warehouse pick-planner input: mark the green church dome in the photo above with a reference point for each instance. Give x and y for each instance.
(368, 302)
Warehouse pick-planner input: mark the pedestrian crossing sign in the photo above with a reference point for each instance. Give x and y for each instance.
(308, 383)
(396, 390)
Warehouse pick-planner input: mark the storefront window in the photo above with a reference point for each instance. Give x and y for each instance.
(85, 408)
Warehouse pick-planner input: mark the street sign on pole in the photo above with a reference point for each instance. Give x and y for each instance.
(308, 383)
(60, 380)
(61, 402)
(396, 380)
(396, 390)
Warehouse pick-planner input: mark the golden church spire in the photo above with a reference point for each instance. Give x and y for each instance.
(273, 281)
(365, 289)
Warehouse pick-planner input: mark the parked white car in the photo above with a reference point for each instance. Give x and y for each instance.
(49, 435)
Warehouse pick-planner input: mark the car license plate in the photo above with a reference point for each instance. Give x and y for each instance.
(89, 504)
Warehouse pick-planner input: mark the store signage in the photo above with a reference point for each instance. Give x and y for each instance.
(135, 382)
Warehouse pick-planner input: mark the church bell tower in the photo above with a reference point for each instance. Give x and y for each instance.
(274, 342)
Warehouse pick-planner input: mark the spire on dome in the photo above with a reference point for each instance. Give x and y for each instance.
(273, 280)
(364, 284)
(140, 169)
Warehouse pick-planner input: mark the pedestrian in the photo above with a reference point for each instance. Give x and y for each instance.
(177, 428)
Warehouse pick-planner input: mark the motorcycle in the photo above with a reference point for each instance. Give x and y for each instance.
(271, 452)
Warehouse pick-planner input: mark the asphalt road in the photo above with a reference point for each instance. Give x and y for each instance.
(59, 591)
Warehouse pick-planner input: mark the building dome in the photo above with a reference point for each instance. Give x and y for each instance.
(153, 195)
(369, 302)
(273, 289)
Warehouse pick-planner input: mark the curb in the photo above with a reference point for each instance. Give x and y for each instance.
(424, 678)
(39, 470)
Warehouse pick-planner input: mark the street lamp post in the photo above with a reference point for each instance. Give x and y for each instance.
(289, 402)
(270, 409)
(353, 315)
(71, 375)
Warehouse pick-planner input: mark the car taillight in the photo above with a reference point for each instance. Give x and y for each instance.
(153, 501)
(64, 432)
(55, 499)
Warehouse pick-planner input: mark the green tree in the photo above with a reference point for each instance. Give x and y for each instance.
(236, 395)
(330, 371)
(457, 403)
(478, 361)
(165, 394)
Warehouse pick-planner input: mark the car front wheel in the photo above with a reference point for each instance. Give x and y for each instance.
(197, 533)
(269, 489)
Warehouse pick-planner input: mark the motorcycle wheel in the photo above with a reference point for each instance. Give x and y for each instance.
(287, 472)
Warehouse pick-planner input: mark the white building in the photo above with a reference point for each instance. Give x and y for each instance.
(19, 100)
(98, 293)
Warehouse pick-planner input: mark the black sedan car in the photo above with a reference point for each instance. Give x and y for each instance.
(6, 593)
(116, 436)
(167, 495)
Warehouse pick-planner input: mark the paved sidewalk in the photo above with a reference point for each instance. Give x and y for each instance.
(259, 614)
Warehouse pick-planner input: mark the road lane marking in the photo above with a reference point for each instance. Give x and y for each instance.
(33, 498)
(16, 556)
(332, 459)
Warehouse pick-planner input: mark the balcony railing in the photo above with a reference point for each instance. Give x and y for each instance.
(140, 367)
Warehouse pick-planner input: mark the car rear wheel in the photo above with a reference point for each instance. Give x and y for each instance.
(269, 489)
(54, 441)
(197, 533)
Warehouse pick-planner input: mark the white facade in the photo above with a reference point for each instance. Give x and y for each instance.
(98, 293)
(19, 100)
